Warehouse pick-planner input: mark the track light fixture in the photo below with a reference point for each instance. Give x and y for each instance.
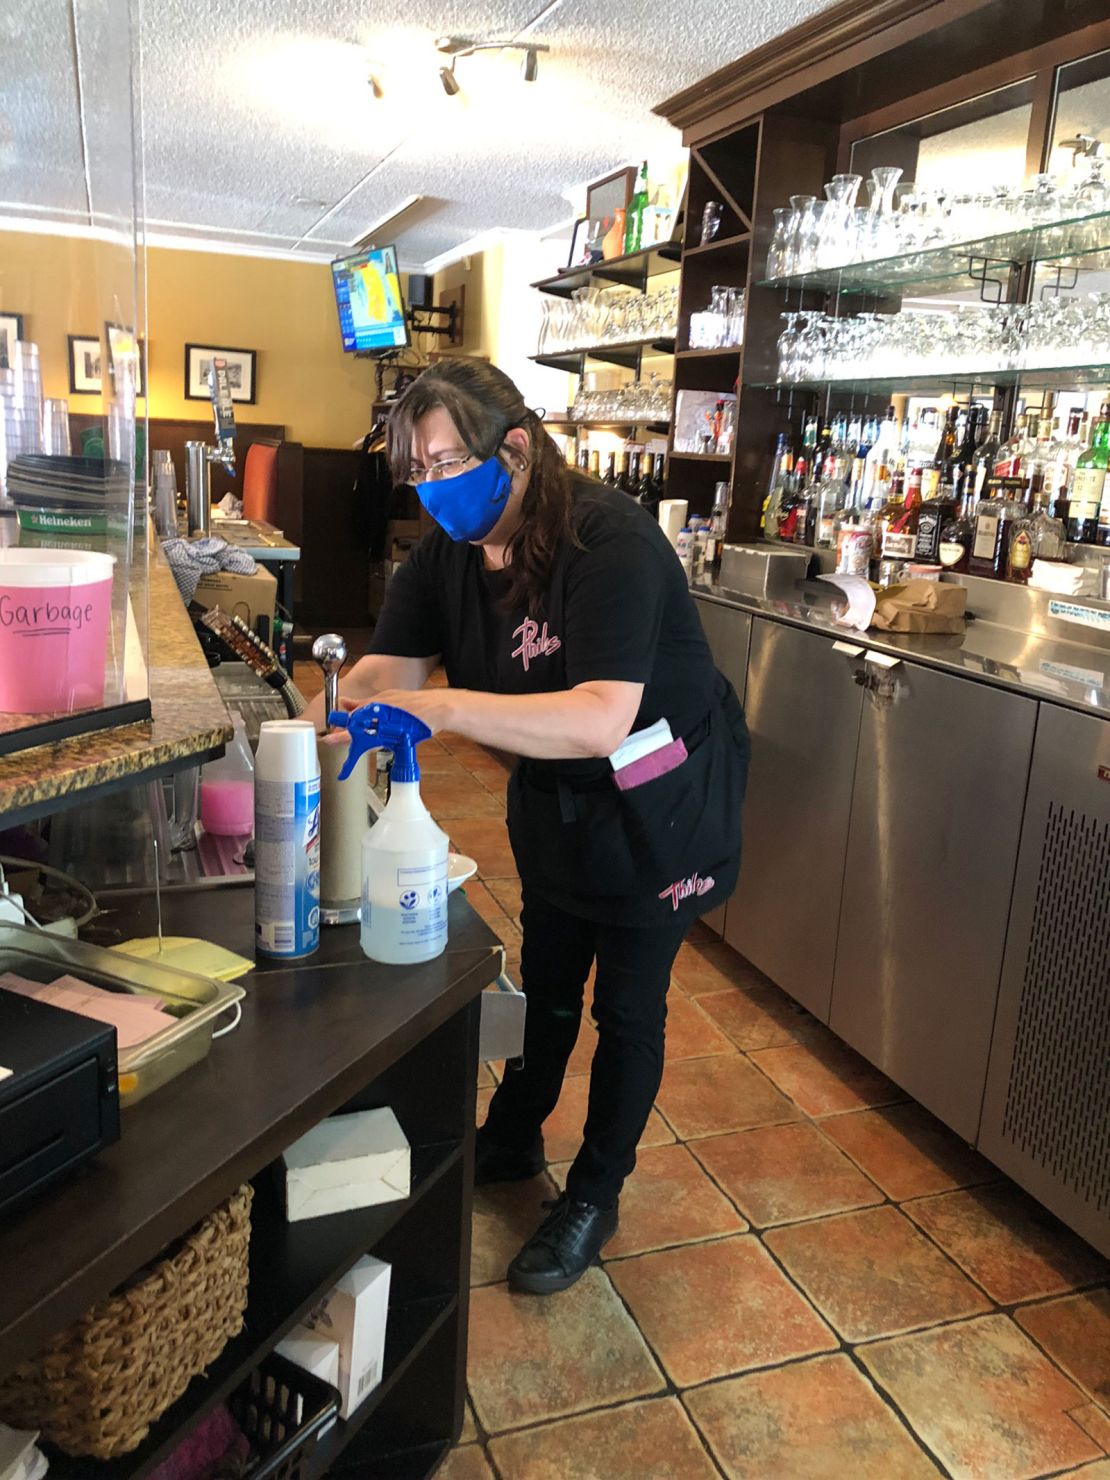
(449, 81)
(466, 46)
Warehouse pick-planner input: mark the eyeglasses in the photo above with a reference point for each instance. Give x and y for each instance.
(450, 467)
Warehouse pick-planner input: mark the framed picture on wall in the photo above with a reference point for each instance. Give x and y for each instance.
(11, 329)
(240, 371)
(612, 193)
(84, 365)
(124, 347)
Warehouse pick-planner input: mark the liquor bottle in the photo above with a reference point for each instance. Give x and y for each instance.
(938, 469)
(1088, 486)
(809, 441)
(634, 219)
(611, 471)
(790, 505)
(828, 500)
(958, 535)
(1063, 453)
(994, 527)
(934, 515)
(974, 433)
(659, 488)
(646, 486)
(985, 456)
(824, 446)
(1037, 537)
(783, 464)
(898, 519)
(1007, 460)
(878, 461)
(718, 524)
(631, 483)
(595, 464)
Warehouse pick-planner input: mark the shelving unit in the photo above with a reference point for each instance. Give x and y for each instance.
(785, 118)
(292, 1266)
(304, 1049)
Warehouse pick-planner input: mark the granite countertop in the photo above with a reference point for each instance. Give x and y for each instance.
(188, 715)
(1035, 663)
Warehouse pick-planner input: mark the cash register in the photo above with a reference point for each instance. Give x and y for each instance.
(59, 1094)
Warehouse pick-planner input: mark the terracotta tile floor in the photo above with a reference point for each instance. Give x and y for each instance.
(813, 1279)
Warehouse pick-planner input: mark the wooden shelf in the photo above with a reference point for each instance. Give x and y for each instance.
(292, 1265)
(722, 352)
(628, 355)
(705, 457)
(721, 244)
(631, 271)
(611, 424)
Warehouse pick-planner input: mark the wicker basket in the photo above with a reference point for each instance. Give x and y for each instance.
(99, 1385)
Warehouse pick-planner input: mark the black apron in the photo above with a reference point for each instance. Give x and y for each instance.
(666, 850)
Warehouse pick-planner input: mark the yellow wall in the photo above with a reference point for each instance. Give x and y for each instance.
(480, 275)
(283, 309)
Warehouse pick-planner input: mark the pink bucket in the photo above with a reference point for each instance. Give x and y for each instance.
(55, 607)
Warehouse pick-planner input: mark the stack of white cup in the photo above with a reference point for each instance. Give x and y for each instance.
(7, 431)
(165, 493)
(27, 397)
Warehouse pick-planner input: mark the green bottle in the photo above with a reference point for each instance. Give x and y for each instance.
(634, 220)
(1085, 497)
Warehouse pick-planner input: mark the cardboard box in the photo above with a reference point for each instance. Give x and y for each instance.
(312, 1352)
(348, 1161)
(249, 597)
(354, 1316)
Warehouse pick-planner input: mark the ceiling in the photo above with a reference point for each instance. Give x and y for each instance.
(261, 131)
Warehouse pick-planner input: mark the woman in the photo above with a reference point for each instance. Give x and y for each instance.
(562, 617)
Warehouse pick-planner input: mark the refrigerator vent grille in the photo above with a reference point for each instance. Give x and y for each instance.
(1058, 1097)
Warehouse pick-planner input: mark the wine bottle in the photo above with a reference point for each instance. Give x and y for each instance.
(611, 471)
(634, 218)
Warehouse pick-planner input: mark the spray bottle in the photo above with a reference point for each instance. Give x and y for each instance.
(404, 855)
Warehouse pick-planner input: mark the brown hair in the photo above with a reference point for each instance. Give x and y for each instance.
(485, 405)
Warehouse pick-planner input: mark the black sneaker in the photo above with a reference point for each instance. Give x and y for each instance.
(493, 1163)
(564, 1246)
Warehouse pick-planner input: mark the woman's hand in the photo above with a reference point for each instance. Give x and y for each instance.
(435, 707)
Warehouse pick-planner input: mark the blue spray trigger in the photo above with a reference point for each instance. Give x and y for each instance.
(380, 726)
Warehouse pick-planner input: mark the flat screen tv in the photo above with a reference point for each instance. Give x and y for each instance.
(368, 297)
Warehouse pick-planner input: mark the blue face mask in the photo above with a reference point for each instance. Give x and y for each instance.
(467, 507)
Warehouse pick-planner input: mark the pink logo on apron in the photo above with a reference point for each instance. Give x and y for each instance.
(683, 888)
(534, 642)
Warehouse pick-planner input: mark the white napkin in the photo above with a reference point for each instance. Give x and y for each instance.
(1063, 579)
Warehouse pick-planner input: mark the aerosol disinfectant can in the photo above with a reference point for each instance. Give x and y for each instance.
(287, 840)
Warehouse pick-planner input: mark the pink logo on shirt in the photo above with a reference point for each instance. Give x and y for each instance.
(534, 642)
(683, 888)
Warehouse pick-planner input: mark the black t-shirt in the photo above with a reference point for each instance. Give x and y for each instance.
(618, 608)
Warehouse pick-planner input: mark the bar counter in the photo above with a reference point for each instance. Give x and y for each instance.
(332, 1031)
(1011, 640)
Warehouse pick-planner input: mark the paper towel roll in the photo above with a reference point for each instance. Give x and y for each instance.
(672, 516)
(342, 827)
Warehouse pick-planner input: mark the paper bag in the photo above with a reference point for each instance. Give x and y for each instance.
(921, 606)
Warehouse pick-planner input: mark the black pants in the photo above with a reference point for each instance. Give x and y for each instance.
(630, 1009)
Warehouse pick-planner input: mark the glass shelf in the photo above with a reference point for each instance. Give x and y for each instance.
(1083, 243)
(1054, 377)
